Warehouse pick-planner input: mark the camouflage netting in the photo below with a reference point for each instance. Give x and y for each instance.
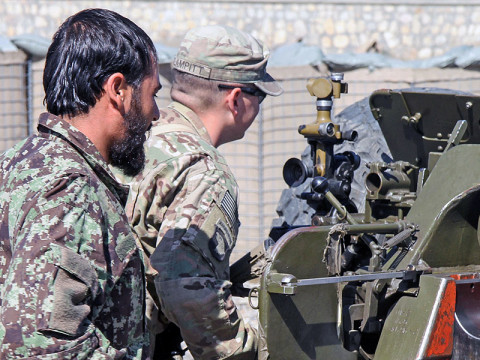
(466, 57)
(295, 54)
(36, 47)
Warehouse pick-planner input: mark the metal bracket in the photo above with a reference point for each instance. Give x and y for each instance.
(287, 284)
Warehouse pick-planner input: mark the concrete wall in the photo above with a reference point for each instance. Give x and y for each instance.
(408, 29)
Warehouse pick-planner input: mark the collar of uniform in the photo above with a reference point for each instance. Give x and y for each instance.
(192, 118)
(56, 126)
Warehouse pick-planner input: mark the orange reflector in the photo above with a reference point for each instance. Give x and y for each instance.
(463, 276)
(440, 345)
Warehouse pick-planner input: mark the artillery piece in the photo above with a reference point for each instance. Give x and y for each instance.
(401, 280)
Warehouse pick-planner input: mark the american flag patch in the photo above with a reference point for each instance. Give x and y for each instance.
(230, 209)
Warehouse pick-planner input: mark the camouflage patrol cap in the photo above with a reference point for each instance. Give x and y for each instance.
(224, 53)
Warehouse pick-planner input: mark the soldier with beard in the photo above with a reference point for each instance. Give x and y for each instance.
(71, 274)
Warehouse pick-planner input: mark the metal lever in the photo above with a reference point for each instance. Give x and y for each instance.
(287, 284)
(457, 134)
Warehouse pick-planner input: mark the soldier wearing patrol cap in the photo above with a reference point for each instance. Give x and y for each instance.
(183, 206)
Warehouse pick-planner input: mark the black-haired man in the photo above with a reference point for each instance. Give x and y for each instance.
(71, 275)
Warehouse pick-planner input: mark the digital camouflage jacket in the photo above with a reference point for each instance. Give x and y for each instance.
(71, 275)
(183, 209)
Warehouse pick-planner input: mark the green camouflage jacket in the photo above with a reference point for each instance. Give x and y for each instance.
(183, 209)
(71, 274)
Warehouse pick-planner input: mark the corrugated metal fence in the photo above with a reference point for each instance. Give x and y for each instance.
(257, 160)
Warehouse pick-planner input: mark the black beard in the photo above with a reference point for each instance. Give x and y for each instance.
(128, 154)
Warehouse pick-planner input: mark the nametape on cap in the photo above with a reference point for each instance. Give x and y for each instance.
(192, 68)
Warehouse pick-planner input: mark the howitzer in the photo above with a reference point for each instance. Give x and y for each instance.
(401, 279)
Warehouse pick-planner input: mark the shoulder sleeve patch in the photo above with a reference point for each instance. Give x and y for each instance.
(230, 209)
(222, 242)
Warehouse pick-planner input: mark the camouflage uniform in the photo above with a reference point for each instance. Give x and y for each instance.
(186, 198)
(183, 206)
(71, 273)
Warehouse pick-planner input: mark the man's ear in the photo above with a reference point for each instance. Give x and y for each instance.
(232, 101)
(119, 93)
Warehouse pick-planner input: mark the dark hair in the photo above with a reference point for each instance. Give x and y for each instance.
(87, 48)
